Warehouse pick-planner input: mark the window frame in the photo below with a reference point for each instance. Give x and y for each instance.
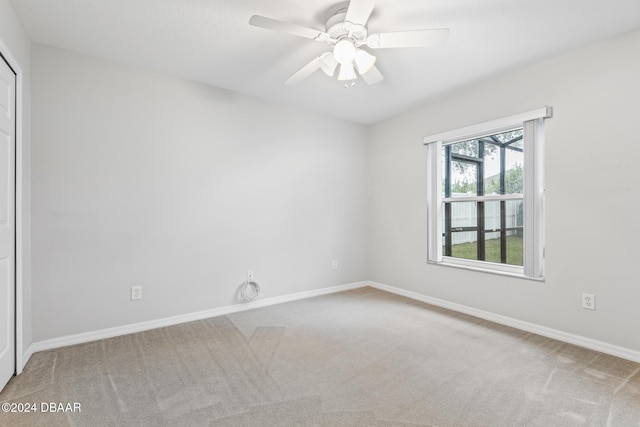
(532, 123)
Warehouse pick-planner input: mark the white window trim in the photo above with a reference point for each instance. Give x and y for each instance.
(532, 123)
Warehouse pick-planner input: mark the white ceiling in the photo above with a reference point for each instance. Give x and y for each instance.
(210, 41)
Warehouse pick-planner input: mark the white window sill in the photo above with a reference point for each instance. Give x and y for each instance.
(486, 267)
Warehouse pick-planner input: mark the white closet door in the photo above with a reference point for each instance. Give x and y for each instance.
(7, 223)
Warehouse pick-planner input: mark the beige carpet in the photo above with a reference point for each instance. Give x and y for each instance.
(357, 358)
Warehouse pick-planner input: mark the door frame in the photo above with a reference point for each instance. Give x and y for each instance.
(21, 356)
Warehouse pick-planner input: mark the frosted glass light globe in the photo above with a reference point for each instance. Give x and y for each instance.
(347, 72)
(364, 61)
(344, 51)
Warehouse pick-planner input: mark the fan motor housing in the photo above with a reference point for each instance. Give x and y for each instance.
(338, 29)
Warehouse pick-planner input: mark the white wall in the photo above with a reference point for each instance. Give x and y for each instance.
(144, 179)
(592, 194)
(15, 41)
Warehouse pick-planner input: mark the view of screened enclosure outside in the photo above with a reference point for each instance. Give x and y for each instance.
(483, 185)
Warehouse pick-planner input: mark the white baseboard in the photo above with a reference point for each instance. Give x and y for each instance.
(184, 318)
(578, 340)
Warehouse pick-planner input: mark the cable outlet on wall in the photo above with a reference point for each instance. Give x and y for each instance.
(334, 264)
(250, 276)
(136, 293)
(589, 301)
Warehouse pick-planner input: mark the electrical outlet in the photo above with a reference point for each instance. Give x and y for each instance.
(136, 293)
(589, 301)
(334, 264)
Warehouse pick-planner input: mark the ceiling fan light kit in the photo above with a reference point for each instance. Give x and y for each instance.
(344, 51)
(364, 61)
(346, 32)
(347, 72)
(328, 63)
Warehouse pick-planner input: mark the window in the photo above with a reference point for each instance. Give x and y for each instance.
(486, 195)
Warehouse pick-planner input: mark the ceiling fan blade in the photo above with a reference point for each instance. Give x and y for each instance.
(417, 38)
(372, 76)
(359, 11)
(328, 63)
(304, 72)
(285, 27)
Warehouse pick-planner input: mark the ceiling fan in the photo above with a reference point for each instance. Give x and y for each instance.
(346, 33)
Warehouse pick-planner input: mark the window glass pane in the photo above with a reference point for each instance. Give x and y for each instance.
(492, 226)
(466, 250)
(444, 173)
(513, 222)
(515, 250)
(464, 236)
(492, 247)
(492, 216)
(516, 137)
(463, 214)
(515, 226)
(515, 214)
(464, 179)
(491, 170)
(464, 231)
(466, 148)
(514, 172)
(512, 138)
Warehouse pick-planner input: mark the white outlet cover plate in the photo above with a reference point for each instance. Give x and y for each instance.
(589, 301)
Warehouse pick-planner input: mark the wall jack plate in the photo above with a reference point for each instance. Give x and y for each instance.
(136, 293)
(589, 301)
